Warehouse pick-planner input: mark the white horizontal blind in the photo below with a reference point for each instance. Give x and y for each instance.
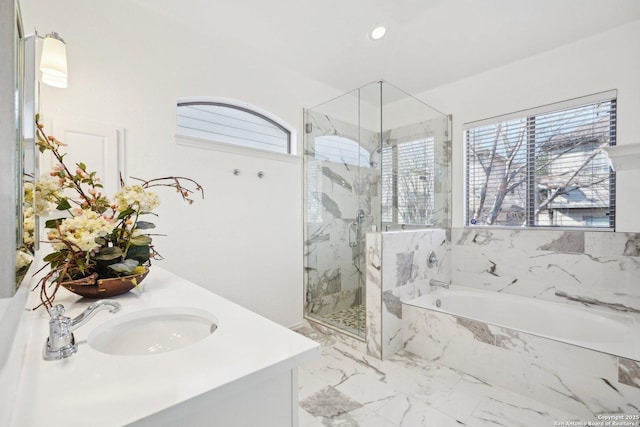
(388, 183)
(408, 182)
(232, 124)
(543, 169)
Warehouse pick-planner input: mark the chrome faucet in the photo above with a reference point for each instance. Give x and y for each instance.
(61, 342)
(438, 283)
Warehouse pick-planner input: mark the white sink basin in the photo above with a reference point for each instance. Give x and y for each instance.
(152, 331)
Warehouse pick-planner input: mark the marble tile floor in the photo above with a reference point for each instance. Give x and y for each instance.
(346, 388)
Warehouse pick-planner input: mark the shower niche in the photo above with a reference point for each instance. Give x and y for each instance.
(375, 159)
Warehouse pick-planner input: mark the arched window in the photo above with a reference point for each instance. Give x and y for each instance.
(234, 123)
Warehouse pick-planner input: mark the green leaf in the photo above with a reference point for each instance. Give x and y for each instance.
(53, 223)
(63, 205)
(140, 241)
(82, 166)
(52, 256)
(139, 253)
(127, 266)
(108, 254)
(144, 225)
(125, 213)
(80, 264)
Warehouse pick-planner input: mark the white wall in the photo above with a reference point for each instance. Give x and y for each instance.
(127, 67)
(606, 61)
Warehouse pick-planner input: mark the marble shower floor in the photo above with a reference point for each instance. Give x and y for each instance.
(346, 388)
(352, 318)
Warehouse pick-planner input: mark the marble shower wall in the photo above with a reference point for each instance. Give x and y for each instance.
(334, 192)
(397, 271)
(579, 267)
(332, 266)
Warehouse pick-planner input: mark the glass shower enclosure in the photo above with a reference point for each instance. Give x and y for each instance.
(375, 159)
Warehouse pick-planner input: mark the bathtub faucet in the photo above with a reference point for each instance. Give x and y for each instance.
(438, 283)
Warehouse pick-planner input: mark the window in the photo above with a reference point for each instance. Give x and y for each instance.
(408, 182)
(230, 123)
(543, 168)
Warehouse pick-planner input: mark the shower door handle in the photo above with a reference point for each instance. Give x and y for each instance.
(355, 228)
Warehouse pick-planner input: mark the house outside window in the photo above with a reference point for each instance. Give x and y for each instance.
(543, 168)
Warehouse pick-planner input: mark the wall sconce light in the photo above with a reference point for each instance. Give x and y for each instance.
(53, 62)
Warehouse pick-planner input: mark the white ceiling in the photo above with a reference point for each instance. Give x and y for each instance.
(428, 42)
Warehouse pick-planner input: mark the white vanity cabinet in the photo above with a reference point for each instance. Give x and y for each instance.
(244, 374)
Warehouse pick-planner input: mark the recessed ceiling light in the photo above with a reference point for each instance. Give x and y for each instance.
(377, 33)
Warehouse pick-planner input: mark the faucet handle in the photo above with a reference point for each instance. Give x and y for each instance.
(61, 342)
(56, 311)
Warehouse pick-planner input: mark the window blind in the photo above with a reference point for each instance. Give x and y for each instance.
(543, 169)
(408, 182)
(232, 124)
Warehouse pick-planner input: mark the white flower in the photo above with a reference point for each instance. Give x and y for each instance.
(28, 226)
(136, 197)
(81, 230)
(23, 259)
(41, 194)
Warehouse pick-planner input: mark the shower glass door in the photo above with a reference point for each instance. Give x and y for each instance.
(375, 159)
(341, 205)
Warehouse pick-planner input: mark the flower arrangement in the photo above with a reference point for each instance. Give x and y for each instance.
(99, 237)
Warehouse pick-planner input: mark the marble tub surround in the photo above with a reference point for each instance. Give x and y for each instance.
(405, 255)
(594, 329)
(246, 354)
(345, 387)
(373, 271)
(597, 269)
(397, 271)
(577, 267)
(575, 379)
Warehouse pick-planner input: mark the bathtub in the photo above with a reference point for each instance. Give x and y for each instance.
(608, 332)
(580, 360)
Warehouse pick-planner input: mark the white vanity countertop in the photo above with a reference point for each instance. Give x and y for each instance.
(93, 388)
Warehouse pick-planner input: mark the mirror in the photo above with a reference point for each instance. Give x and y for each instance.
(23, 254)
(15, 253)
(28, 238)
(9, 184)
